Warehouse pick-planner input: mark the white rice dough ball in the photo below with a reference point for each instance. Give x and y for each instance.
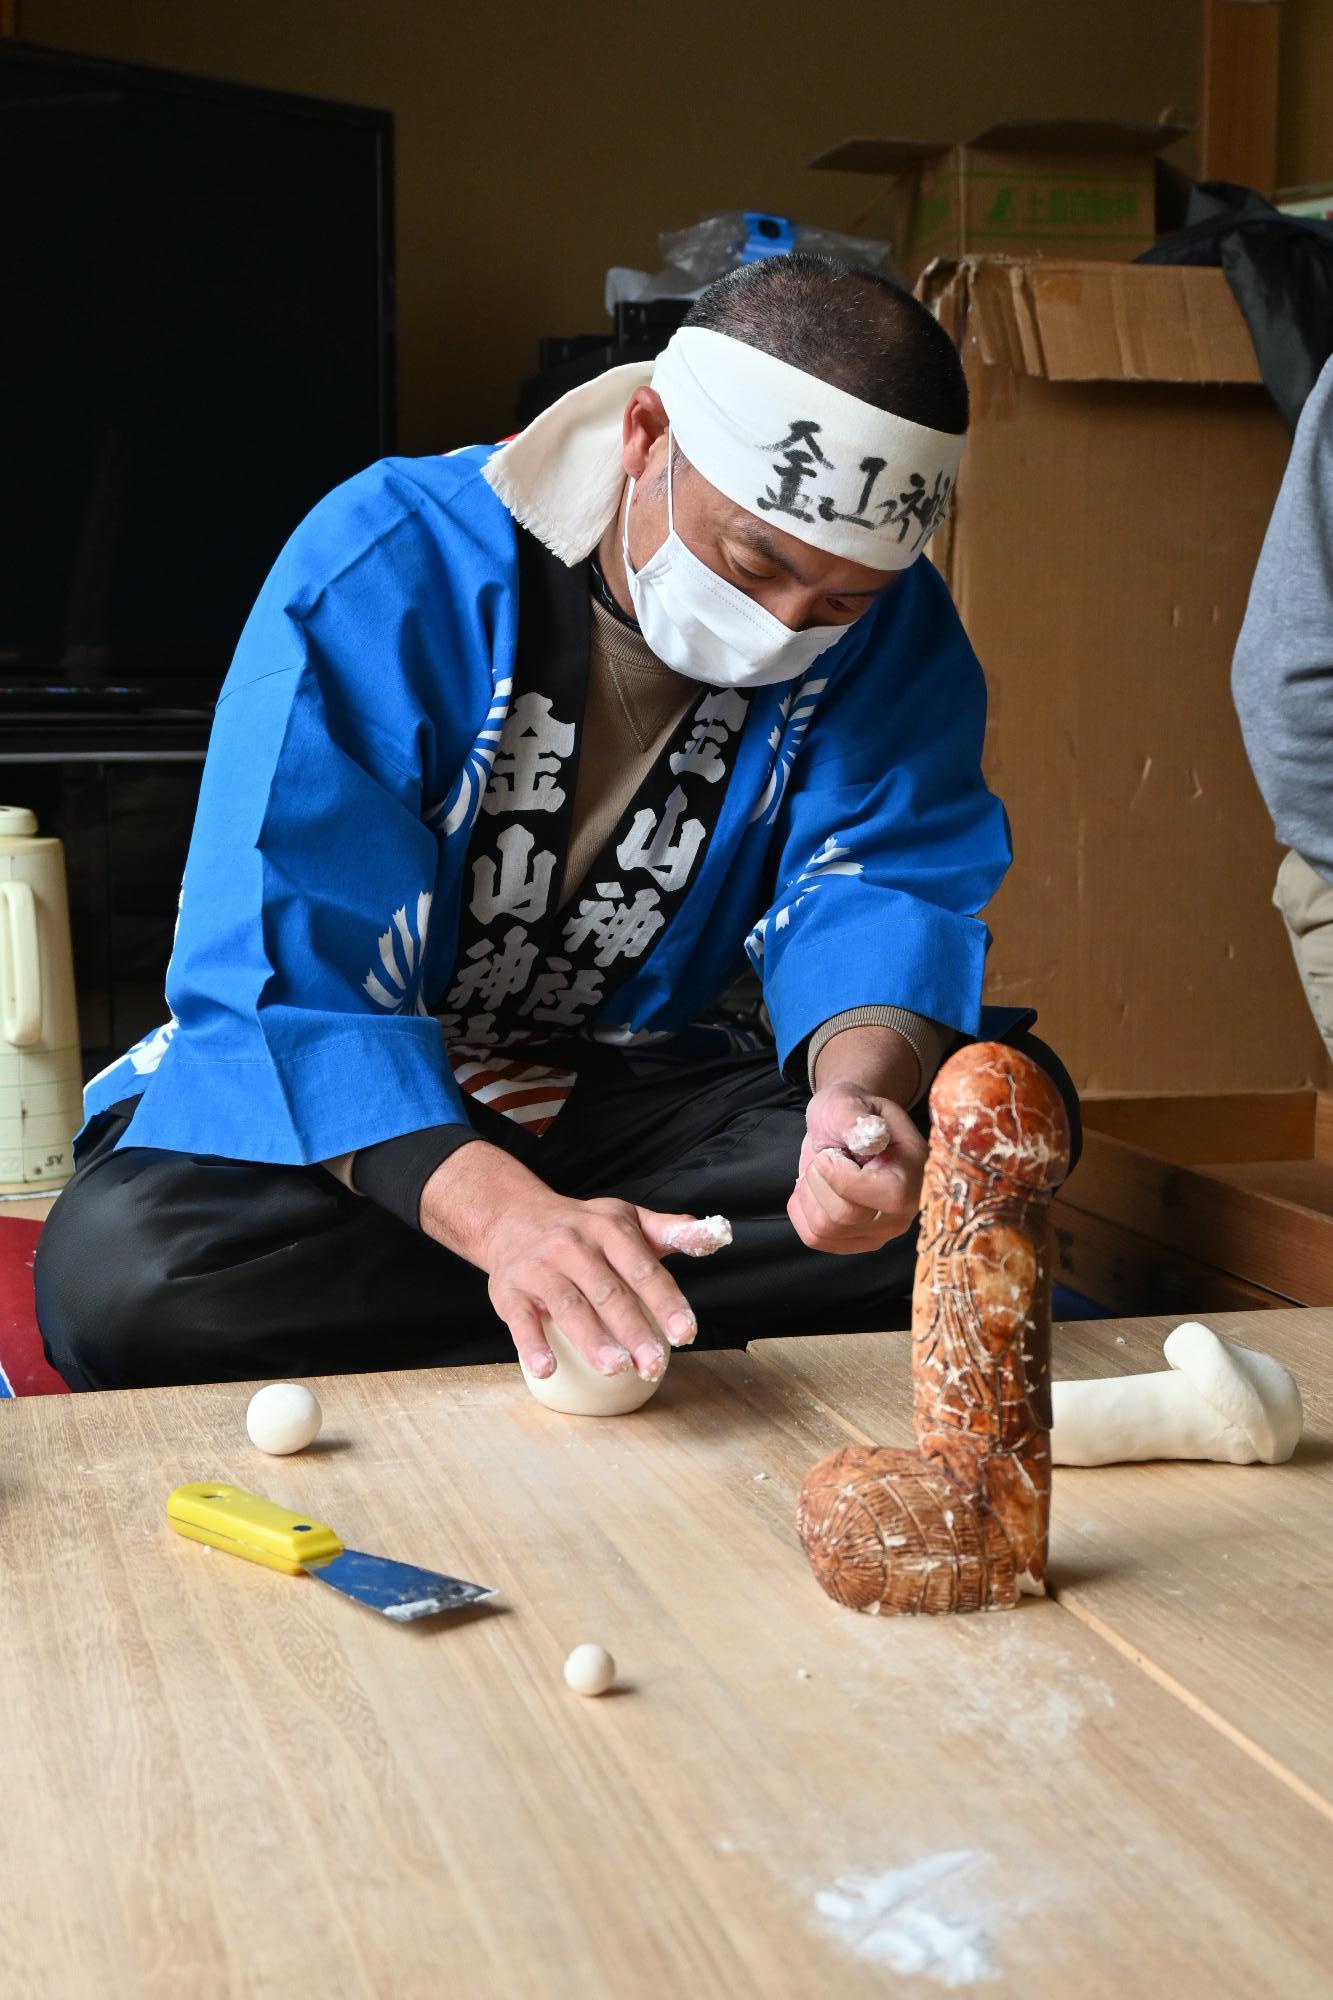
(577, 1389)
(283, 1417)
(589, 1670)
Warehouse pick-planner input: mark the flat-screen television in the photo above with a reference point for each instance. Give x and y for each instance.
(196, 342)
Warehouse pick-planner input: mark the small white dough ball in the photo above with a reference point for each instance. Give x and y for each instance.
(284, 1417)
(589, 1670)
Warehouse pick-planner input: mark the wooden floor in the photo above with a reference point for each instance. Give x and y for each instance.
(222, 1781)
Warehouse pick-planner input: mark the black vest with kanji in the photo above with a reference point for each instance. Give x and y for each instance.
(524, 968)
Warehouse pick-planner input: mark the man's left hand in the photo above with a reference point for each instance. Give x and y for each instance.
(849, 1207)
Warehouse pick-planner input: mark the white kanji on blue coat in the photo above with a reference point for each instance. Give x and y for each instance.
(717, 717)
(620, 928)
(654, 845)
(533, 747)
(402, 953)
(522, 890)
(478, 1028)
(560, 999)
(489, 973)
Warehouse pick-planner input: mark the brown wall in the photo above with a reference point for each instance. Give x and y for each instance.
(1305, 94)
(537, 143)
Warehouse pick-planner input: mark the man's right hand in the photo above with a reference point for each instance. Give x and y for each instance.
(592, 1265)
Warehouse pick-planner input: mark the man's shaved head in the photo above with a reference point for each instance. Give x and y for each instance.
(851, 328)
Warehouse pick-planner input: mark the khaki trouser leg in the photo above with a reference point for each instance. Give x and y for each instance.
(1306, 902)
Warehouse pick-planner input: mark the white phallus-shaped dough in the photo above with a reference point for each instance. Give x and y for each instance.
(1254, 1395)
(1217, 1400)
(283, 1417)
(580, 1390)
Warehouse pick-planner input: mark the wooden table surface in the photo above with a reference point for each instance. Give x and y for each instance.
(222, 1781)
(1215, 1579)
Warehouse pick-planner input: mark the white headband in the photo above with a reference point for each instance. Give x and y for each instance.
(816, 462)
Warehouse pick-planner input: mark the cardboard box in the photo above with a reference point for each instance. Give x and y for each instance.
(1072, 188)
(1118, 480)
(1201, 1204)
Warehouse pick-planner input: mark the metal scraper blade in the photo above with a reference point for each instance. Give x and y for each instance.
(397, 1589)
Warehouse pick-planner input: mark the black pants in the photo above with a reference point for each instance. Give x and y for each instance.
(159, 1267)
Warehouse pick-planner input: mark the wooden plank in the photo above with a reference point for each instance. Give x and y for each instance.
(1214, 1576)
(1244, 1125)
(868, 1374)
(1132, 1274)
(1239, 95)
(1323, 1125)
(1308, 1183)
(257, 1789)
(1274, 1244)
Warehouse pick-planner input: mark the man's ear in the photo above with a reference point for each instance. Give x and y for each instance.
(645, 421)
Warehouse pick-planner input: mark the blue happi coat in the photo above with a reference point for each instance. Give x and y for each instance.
(354, 734)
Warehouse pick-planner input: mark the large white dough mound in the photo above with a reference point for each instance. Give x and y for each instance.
(577, 1389)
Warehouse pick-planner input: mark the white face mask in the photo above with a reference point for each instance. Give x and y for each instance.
(704, 627)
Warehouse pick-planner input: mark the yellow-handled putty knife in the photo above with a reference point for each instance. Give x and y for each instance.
(244, 1525)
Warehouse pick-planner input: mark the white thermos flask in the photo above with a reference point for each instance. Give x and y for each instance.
(41, 1087)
